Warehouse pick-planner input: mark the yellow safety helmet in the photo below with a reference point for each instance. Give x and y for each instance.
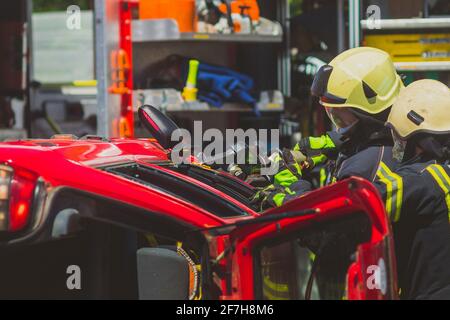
(363, 78)
(423, 106)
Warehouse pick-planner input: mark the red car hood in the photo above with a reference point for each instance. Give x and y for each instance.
(88, 152)
(70, 163)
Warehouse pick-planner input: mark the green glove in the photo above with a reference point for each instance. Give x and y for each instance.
(312, 162)
(319, 149)
(262, 197)
(270, 197)
(289, 170)
(277, 198)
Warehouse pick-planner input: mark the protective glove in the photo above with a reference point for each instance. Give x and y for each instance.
(261, 195)
(289, 167)
(318, 149)
(270, 197)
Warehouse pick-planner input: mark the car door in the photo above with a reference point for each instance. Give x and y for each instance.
(333, 243)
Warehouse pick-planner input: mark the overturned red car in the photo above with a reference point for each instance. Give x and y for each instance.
(135, 225)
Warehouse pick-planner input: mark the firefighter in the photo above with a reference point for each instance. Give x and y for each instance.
(417, 194)
(357, 90)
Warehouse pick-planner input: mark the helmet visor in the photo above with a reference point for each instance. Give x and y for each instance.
(341, 117)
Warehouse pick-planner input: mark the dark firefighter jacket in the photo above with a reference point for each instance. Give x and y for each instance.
(417, 200)
(359, 157)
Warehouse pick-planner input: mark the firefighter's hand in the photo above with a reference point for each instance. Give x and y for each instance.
(296, 156)
(289, 167)
(307, 163)
(262, 194)
(249, 174)
(266, 198)
(314, 161)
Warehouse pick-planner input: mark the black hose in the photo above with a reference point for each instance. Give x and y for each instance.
(314, 268)
(325, 241)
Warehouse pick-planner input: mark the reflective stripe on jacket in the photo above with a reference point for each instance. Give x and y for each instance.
(417, 200)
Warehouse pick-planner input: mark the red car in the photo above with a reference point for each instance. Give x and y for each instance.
(129, 223)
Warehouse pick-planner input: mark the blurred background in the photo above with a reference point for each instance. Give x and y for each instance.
(84, 66)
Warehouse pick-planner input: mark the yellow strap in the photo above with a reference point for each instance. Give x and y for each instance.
(323, 177)
(275, 291)
(151, 239)
(443, 180)
(388, 205)
(399, 188)
(280, 287)
(394, 191)
(271, 296)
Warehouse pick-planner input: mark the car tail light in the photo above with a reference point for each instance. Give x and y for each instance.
(17, 188)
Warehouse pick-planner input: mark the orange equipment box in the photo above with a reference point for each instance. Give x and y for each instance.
(183, 11)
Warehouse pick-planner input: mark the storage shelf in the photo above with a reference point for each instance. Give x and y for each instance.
(405, 24)
(235, 110)
(165, 31)
(222, 110)
(423, 66)
(227, 107)
(12, 134)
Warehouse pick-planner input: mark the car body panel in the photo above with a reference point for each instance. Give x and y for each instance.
(75, 164)
(332, 202)
(78, 165)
